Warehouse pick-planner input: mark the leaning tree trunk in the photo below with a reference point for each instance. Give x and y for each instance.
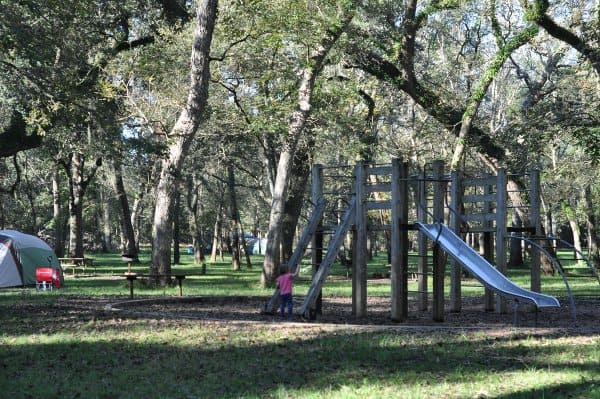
(296, 127)
(293, 205)
(182, 135)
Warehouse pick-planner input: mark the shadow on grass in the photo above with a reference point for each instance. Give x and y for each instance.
(62, 352)
(585, 389)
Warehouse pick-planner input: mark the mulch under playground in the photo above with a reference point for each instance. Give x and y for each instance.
(338, 311)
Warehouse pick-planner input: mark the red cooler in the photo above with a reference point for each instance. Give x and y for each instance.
(48, 275)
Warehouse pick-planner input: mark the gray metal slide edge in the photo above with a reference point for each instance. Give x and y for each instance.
(480, 268)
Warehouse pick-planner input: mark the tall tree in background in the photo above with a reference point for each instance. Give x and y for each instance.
(79, 180)
(181, 136)
(128, 245)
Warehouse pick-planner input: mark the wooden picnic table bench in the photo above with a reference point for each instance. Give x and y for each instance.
(76, 263)
(131, 277)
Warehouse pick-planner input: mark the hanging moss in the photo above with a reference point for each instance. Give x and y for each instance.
(492, 71)
(536, 11)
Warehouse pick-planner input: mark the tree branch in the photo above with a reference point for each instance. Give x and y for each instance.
(14, 137)
(537, 13)
(231, 45)
(125, 45)
(445, 114)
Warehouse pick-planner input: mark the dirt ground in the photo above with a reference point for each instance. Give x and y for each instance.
(338, 311)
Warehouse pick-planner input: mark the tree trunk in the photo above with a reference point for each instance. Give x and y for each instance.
(75, 169)
(572, 218)
(58, 218)
(270, 161)
(548, 220)
(216, 237)
(234, 218)
(196, 210)
(592, 228)
(128, 245)
(182, 135)
(135, 223)
(516, 245)
(293, 206)
(284, 166)
(514, 190)
(76, 208)
(198, 244)
(105, 219)
(245, 249)
(32, 225)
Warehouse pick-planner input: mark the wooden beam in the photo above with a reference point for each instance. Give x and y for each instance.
(359, 258)
(399, 241)
(536, 225)
(439, 264)
(501, 207)
(422, 266)
(456, 202)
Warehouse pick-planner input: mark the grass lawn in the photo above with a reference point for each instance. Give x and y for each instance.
(52, 347)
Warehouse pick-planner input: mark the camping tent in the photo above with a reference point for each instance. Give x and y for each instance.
(20, 255)
(256, 246)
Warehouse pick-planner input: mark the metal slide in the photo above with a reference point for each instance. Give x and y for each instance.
(480, 268)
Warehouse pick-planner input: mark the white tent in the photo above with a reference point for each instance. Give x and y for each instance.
(20, 255)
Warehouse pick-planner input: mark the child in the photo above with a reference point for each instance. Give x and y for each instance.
(285, 282)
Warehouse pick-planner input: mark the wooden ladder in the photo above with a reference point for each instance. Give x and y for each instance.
(294, 262)
(330, 256)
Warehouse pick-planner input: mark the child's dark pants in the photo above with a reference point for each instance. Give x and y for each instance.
(286, 300)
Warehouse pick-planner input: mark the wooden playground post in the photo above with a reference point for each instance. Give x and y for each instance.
(487, 243)
(317, 239)
(399, 240)
(534, 220)
(359, 254)
(455, 215)
(438, 255)
(501, 207)
(422, 264)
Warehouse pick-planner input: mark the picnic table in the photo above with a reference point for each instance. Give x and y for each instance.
(131, 277)
(76, 263)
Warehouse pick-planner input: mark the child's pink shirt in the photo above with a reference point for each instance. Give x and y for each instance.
(285, 283)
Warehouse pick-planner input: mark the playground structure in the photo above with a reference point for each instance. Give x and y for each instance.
(438, 208)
